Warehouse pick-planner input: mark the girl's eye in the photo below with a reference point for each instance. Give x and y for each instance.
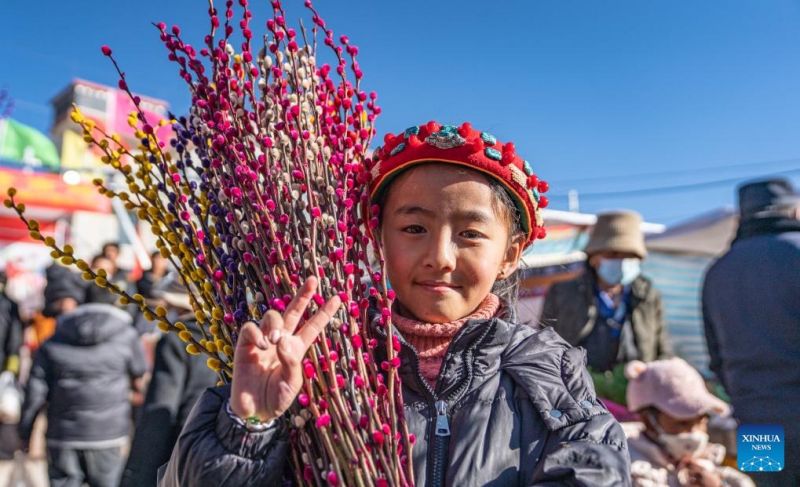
(413, 229)
(472, 234)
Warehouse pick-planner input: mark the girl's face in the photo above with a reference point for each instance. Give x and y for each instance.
(446, 239)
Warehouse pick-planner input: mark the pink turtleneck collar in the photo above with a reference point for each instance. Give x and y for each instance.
(432, 339)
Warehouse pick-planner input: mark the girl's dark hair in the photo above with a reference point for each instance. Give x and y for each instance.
(506, 289)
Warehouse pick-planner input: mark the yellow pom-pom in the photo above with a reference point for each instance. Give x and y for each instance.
(185, 335)
(21, 208)
(124, 300)
(180, 325)
(163, 326)
(12, 191)
(76, 116)
(102, 273)
(214, 364)
(161, 312)
(8, 203)
(138, 298)
(211, 347)
(217, 313)
(49, 241)
(97, 181)
(192, 349)
(55, 254)
(82, 265)
(87, 276)
(33, 225)
(228, 350)
(214, 330)
(200, 316)
(148, 315)
(164, 252)
(35, 235)
(100, 280)
(69, 250)
(67, 260)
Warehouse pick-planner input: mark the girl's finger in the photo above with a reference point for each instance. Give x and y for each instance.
(250, 334)
(290, 353)
(294, 312)
(314, 326)
(272, 326)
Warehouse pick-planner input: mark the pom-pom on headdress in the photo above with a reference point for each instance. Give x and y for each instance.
(465, 146)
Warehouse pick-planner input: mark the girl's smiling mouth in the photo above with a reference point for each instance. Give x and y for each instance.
(437, 286)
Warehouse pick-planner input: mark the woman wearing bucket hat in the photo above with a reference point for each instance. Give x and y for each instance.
(611, 309)
(670, 447)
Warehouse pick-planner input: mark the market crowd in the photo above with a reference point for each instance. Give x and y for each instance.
(112, 392)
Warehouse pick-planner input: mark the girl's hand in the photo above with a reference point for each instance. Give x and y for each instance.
(267, 371)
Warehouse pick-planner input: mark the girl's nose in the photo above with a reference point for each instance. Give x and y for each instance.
(441, 253)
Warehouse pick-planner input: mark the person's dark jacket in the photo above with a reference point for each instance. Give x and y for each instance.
(178, 380)
(571, 309)
(520, 405)
(10, 334)
(751, 311)
(83, 375)
(145, 284)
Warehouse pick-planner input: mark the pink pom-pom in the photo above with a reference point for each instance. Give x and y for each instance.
(303, 400)
(323, 421)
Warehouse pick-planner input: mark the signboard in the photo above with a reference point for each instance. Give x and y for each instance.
(25, 146)
(50, 191)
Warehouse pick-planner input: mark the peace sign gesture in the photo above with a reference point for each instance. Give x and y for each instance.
(267, 371)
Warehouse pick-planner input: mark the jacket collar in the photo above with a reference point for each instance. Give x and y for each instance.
(478, 341)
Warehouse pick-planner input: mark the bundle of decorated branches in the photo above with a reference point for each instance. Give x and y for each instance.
(259, 188)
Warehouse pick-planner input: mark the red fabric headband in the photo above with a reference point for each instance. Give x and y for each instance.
(468, 147)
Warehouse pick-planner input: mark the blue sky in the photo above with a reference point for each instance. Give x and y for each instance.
(613, 99)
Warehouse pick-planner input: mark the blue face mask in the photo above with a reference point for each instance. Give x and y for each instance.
(619, 271)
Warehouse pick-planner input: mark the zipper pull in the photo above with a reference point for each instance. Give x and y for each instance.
(442, 424)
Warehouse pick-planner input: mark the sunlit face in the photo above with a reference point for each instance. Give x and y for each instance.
(445, 241)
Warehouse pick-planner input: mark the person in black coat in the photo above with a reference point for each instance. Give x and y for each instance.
(751, 312)
(83, 375)
(10, 343)
(178, 380)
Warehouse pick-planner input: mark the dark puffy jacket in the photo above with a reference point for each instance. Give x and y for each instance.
(178, 380)
(519, 404)
(83, 374)
(10, 334)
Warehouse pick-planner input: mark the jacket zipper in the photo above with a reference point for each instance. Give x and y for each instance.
(441, 425)
(441, 443)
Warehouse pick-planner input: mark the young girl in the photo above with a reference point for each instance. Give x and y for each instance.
(490, 402)
(670, 447)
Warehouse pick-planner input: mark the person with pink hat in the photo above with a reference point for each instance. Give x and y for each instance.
(670, 447)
